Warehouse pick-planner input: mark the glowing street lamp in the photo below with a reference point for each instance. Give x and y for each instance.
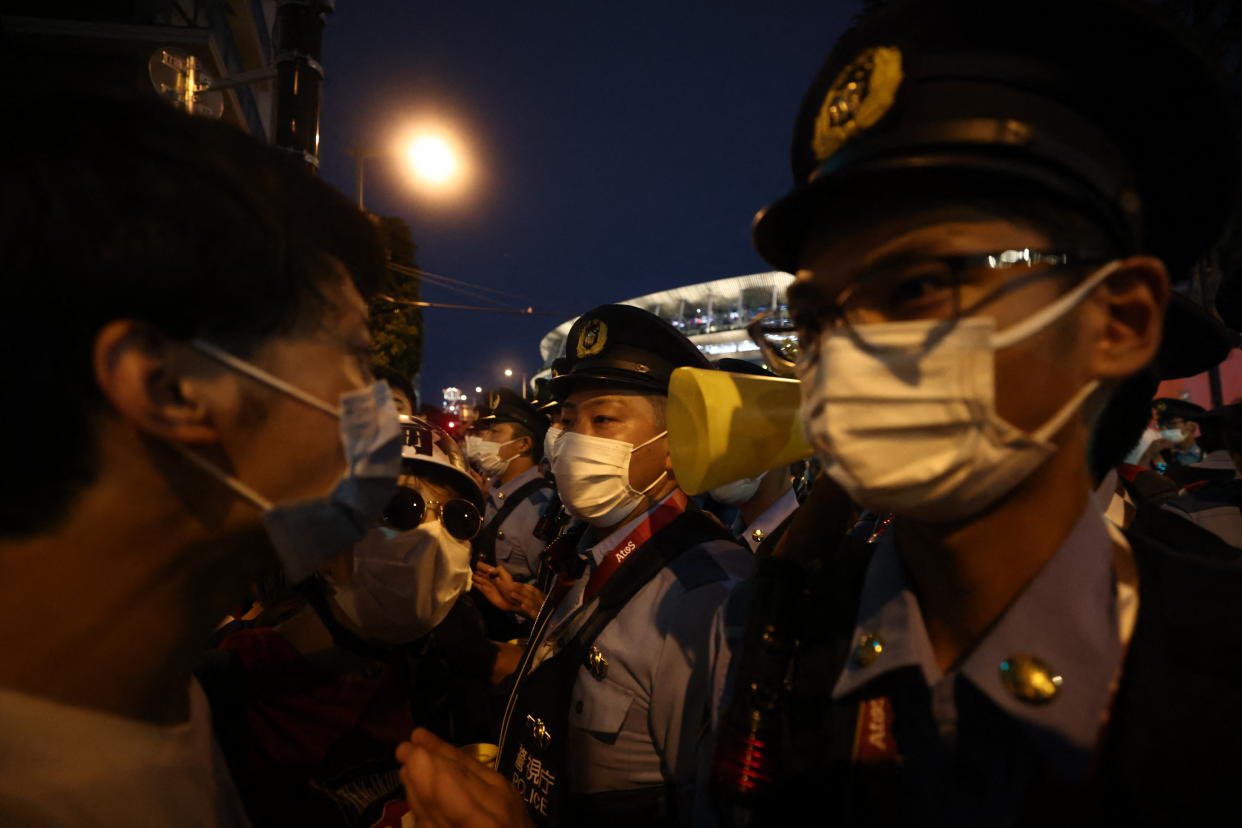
(434, 159)
(521, 389)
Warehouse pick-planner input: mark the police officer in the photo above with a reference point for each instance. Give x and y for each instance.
(507, 446)
(764, 503)
(1176, 420)
(998, 655)
(605, 717)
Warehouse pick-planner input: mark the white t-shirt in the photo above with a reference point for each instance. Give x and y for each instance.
(68, 766)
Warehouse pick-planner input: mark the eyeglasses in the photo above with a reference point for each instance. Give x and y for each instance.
(909, 288)
(407, 508)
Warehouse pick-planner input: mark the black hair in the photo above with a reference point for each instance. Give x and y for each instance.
(1120, 424)
(536, 445)
(395, 379)
(124, 208)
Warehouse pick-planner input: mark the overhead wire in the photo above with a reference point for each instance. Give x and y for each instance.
(420, 304)
(474, 294)
(450, 282)
(465, 283)
(464, 287)
(467, 292)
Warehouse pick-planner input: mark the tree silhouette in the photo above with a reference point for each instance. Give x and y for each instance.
(397, 330)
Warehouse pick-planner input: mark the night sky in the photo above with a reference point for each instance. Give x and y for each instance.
(617, 149)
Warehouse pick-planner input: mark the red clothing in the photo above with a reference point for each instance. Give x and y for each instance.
(297, 733)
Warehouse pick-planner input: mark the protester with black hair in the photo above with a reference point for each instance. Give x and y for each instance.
(185, 312)
(402, 389)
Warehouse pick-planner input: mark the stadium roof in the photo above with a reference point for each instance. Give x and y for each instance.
(706, 307)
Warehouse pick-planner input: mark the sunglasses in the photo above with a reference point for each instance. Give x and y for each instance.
(407, 508)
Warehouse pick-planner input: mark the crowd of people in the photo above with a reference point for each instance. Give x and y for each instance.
(246, 583)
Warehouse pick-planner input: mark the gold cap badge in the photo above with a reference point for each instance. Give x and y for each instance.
(592, 339)
(863, 91)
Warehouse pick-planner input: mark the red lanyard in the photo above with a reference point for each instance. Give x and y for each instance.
(874, 742)
(660, 517)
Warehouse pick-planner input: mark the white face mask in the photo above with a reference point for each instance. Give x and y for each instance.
(738, 492)
(1173, 435)
(593, 477)
(550, 442)
(913, 430)
(485, 455)
(404, 583)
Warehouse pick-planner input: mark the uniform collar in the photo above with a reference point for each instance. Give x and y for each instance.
(596, 550)
(497, 494)
(772, 517)
(1066, 617)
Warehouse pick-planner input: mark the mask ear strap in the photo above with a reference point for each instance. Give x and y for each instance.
(240, 488)
(1045, 432)
(1048, 314)
(649, 442)
(258, 374)
(655, 482)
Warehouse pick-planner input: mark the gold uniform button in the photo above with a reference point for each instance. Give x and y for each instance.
(538, 731)
(758, 536)
(868, 650)
(500, 495)
(500, 534)
(596, 664)
(1029, 679)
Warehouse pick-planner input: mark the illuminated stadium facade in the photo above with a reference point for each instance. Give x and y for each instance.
(713, 314)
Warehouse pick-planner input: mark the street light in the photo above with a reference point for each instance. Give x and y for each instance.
(433, 158)
(521, 389)
(478, 389)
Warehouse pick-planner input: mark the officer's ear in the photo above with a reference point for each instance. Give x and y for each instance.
(1127, 316)
(153, 383)
(526, 445)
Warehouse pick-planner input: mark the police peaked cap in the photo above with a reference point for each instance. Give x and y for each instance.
(544, 401)
(506, 406)
(1103, 105)
(626, 346)
(1168, 408)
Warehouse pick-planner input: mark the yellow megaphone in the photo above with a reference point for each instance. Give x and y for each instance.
(724, 426)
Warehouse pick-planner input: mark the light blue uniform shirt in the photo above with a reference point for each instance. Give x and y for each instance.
(517, 548)
(639, 725)
(772, 517)
(974, 747)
